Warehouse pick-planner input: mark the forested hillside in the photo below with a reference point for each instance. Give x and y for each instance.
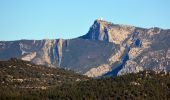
(23, 80)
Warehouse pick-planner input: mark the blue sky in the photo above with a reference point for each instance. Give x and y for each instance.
(42, 19)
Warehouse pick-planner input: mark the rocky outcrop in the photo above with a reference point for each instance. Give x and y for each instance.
(168, 54)
(99, 71)
(109, 32)
(130, 67)
(46, 53)
(134, 52)
(59, 50)
(116, 57)
(29, 56)
(40, 52)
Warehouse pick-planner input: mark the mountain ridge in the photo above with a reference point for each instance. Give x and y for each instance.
(105, 48)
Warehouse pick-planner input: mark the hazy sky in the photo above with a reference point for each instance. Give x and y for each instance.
(41, 19)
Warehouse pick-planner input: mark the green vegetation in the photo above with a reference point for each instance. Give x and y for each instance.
(21, 79)
(146, 85)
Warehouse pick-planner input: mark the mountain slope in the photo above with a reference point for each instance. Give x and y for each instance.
(139, 48)
(78, 54)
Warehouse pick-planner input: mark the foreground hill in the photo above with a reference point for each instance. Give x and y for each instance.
(22, 75)
(22, 80)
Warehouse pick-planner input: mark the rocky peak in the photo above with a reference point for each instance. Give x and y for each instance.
(99, 31)
(101, 22)
(108, 32)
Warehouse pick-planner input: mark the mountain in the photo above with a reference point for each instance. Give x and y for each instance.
(78, 54)
(106, 50)
(140, 48)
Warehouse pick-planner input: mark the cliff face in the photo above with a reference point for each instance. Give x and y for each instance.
(107, 49)
(139, 48)
(41, 52)
(108, 32)
(79, 55)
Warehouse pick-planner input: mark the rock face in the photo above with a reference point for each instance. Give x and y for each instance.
(107, 49)
(106, 31)
(41, 52)
(130, 67)
(95, 72)
(79, 55)
(144, 48)
(59, 50)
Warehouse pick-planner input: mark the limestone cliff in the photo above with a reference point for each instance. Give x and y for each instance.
(148, 48)
(107, 49)
(109, 32)
(59, 50)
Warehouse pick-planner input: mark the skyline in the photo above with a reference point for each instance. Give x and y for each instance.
(53, 19)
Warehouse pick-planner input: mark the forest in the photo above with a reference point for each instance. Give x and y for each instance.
(58, 84)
